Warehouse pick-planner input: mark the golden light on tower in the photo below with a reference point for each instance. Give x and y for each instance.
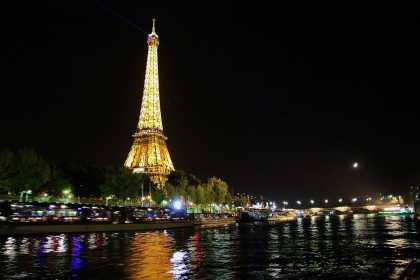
(149, 153)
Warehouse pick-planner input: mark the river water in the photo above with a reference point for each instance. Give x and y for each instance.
(358, 247)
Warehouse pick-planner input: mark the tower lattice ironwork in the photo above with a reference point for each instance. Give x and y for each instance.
(149, 153)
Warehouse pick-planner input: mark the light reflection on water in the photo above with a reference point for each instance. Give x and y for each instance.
(150, 256)
(359, 247)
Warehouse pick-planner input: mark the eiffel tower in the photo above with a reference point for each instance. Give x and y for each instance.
(149, 153)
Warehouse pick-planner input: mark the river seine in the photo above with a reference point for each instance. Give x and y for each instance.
(341, 247)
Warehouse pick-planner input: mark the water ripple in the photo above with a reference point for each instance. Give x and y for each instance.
(340, 247)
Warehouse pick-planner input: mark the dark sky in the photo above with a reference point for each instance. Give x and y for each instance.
(276, 100)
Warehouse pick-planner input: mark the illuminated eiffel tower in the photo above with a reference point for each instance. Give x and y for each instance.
(149, 153)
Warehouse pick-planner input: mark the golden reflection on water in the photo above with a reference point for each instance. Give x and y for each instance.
(150, 256)
(396, 243)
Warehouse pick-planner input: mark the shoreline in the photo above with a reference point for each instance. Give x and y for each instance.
(19, 229)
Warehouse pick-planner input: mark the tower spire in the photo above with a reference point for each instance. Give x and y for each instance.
(153, 28)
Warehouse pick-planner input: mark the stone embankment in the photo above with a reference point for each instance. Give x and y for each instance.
(22, 229)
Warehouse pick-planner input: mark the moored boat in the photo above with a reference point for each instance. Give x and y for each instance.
(250, 216)
(281, 216)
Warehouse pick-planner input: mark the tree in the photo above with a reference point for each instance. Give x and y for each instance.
(208, 194)
(200, 195)
(123, 184)
(176, 176)
(182, 189)
(58, 183)
(158, 195)
(192, 194)
(219, 188)
(181, 184)
(7, 170)
(32, 171)
(228, 198)
(170, 189)
(85, 177)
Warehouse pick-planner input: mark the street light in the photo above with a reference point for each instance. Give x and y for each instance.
(312, 201)
(355, 165)
(326, 200)
(340, 200)
(26, 194)
(67, 195)
(273, 206)
(354, 199)
(108, 198)
(177, 204)
(298, 202)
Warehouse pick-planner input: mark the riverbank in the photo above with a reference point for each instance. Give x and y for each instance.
(23, 229)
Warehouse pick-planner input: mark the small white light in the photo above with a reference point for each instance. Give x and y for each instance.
(177, 204)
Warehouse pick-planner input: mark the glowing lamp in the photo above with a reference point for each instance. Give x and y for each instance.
(177, 204)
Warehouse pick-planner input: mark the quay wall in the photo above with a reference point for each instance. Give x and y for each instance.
(19, 229)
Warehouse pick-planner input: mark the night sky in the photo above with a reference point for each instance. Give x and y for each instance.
(276, 100)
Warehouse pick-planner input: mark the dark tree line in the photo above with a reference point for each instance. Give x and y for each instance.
(26, 170)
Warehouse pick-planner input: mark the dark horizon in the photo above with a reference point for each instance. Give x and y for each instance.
(276, 101)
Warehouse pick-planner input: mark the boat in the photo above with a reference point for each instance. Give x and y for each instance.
(266, 216)
(281, 216)
(249, 216)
